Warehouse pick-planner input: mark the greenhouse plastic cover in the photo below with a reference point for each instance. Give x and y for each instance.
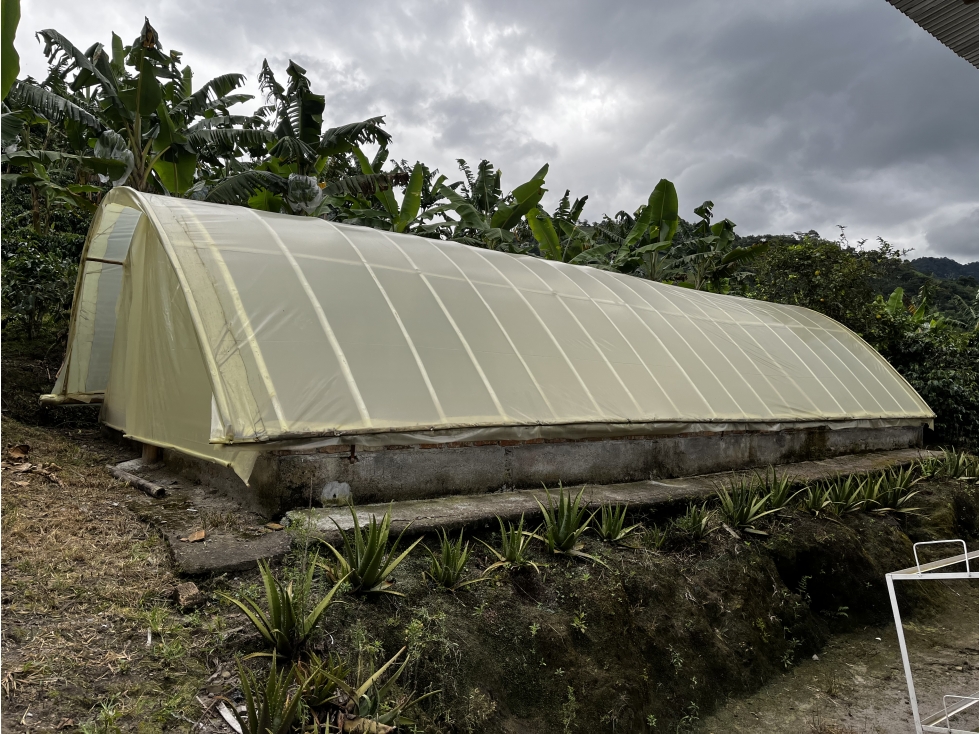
(204, 324)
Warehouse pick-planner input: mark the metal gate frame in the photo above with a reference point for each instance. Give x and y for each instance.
(939, 721)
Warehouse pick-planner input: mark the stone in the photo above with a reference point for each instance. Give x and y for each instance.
(188, 596)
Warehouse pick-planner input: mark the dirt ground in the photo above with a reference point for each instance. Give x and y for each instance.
(857, 685)
(652, 641)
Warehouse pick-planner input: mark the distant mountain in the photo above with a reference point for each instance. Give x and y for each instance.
(943, 267)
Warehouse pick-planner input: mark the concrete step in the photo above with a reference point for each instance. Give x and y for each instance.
(417, 517)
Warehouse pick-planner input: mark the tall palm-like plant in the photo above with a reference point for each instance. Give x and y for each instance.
(641, 245)
(561, 235)
(146, 112)
(291, 173)
(711, 258)
(486, 217)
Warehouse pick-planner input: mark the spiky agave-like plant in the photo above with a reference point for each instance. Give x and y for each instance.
(366, 560)
(565, 522)
(286, 625)
(514, 542)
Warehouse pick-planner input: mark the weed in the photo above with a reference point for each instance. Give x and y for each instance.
(479, 708)
(651, 721)
(105, 721)
(655, 538)
(611, 527)
(696, 523)
(272, 708)
(569, 711)
(675, 660)
(366, 562)
(446, 568)
(565, 523)
(742, 506)
(578, 622)
(287, 626)
(514, 541)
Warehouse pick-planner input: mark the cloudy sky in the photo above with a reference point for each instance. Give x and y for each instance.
(789, 114)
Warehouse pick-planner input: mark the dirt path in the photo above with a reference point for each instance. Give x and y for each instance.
(858, 684)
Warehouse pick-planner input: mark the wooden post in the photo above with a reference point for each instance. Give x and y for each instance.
(151, 454)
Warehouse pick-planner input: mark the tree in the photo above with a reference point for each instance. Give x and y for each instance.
(137, 105)
(824, 276)
(291, 172)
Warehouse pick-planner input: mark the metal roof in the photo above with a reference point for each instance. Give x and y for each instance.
(953, 22)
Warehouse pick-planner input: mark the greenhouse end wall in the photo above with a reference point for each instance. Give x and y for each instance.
(283, 480)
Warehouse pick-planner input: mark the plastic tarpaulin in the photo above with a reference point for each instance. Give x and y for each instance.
(228, 325)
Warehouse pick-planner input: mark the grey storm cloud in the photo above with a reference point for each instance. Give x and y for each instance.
(789, 115)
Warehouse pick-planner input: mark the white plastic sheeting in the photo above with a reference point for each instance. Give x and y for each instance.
(237, 326)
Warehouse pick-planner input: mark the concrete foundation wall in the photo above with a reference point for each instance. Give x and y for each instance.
(284, 481)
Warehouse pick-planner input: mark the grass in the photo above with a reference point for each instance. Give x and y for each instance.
(696, 523)
(83, 581)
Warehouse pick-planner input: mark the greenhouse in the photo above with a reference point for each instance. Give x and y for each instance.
(274, 354)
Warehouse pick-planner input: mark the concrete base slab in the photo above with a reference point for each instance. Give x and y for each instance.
(417, 517)
(235, 538)
(226, 552)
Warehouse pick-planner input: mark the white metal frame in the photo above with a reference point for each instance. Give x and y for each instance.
(940, 721)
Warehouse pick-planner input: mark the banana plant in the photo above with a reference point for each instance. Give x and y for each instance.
(146, 112)
(486, 218)
(710, 259)
(44, 171)
(641, 245)
(291, 171)
(377, 206)
(561, 236)
(9, 59)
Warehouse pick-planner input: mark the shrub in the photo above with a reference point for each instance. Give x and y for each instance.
(743, 505)
(950, 465)
(272, 708)
(846, 495)
(37, 290)
(891, 491)
(780, 490)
